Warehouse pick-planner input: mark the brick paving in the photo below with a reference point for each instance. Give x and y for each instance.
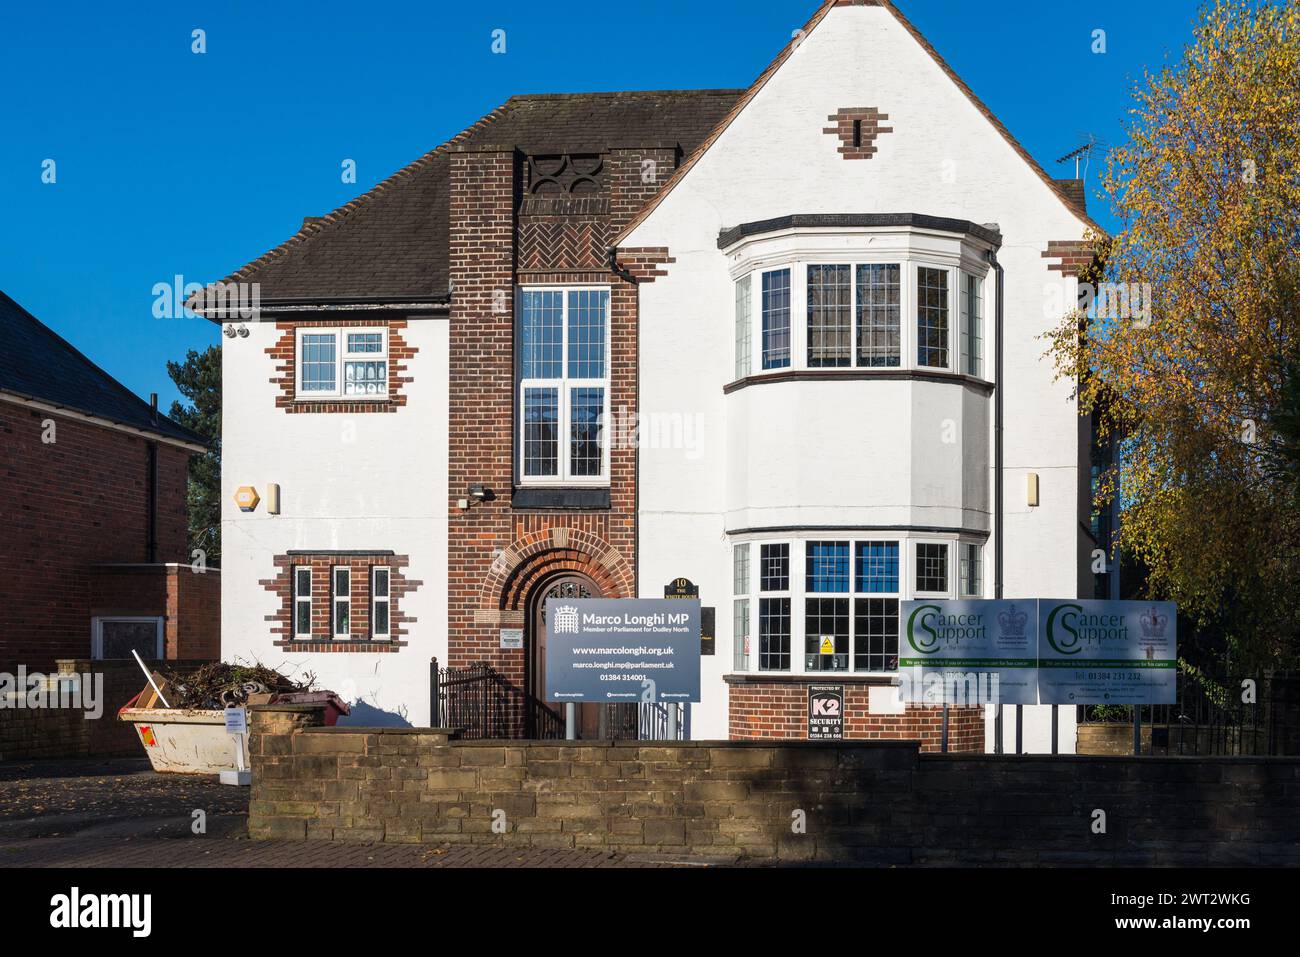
(120, 813)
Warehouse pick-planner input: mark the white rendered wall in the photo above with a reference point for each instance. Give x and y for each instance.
(375, 481)
(943, 158)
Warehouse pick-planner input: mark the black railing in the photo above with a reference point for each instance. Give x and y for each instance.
(1240, 715)
(479, 704)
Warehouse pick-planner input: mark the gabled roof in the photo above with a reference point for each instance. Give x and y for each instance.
(391, 243)
(38, 365)
(799, 36)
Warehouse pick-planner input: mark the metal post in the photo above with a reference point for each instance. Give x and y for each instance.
(570, 722)
(435, 719)
(1055, 725)
(943, 734)
(1020, 729)
(671, 708)
(997, 728)
(1137, 729)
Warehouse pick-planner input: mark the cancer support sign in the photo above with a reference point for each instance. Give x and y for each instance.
(1107, 652)
(948, 646)
(623, 649)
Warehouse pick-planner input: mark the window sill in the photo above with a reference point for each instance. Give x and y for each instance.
(342, 646)
(551, 497)
(858, 375)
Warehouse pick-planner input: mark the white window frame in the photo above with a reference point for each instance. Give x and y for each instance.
(908, 313)
(954, 321)
(298, 598)
(341, 357)
(563, 477)
(963, 566)
(949, 571)
(972, 331)
(798, 593)
(386, 600)
(336, 599)
(97, 633)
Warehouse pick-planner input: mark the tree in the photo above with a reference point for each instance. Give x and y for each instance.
(198, 379)
(1201, 390)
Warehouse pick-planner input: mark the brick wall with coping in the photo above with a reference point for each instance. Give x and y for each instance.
(874, 802)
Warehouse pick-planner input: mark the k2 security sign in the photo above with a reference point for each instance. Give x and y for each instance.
(1107, 652)
(623, 649)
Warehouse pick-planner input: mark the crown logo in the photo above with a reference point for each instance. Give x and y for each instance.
(1153, 623)
(1012, 623)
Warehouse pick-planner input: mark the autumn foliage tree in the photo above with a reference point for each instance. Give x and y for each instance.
(1201, 392)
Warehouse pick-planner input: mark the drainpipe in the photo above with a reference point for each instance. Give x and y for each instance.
(152, 485)
(997, 464)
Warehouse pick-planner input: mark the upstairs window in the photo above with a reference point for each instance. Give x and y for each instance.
(972, 325)
(932, 317)
(349, 363)
(932, 568)
(830, 316)
(776, 319)
(563, 366)
(744, 335)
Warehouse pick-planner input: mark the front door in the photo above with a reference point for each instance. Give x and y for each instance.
(574, 586)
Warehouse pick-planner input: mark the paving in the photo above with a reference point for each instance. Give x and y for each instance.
(120, 813)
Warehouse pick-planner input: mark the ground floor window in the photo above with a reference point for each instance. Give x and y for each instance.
(117, 637)
(842, 606)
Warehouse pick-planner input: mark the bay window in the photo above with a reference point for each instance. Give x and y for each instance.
(853, 317)
(843, 608)
(347, 362)
(563, 375)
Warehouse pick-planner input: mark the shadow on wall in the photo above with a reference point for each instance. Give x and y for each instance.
(365, 715)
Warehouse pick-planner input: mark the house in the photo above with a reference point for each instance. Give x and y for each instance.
(778, 344)
(93, 557)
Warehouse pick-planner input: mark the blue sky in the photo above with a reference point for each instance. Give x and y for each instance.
(171, 163)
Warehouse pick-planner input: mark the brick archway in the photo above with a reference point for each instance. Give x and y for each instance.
(530, 560)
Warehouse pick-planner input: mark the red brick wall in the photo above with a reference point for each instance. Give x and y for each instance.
(498, 555)
(66, 507)
(779, 709)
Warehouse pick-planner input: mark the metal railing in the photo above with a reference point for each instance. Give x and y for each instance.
(480, 703)
(1238, 715)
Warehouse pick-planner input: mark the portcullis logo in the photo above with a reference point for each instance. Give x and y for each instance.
(566, 620)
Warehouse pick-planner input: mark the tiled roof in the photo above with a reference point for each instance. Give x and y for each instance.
(391, 242)
(37, 364)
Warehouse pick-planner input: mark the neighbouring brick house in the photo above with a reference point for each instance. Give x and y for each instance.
(577, 322)
(93, 557)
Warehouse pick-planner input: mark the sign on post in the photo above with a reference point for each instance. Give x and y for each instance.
(623, 649)
(1107, 652)
(969, 652)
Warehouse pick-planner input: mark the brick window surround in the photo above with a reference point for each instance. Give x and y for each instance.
(285, 353)
(857, 129)
(322, 639)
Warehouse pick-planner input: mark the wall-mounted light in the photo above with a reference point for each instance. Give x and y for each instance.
(273, 499)
(481, 493)
(1031, 489)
